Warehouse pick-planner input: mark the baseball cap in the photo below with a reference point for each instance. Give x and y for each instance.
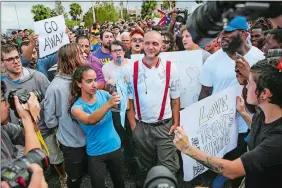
(238, 22)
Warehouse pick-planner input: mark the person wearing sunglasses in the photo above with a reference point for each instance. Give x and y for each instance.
(137, 39)
(168, 42)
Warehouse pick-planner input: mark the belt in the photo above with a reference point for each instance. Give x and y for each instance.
(161, 122)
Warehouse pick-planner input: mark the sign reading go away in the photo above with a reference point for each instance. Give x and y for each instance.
(52, 35)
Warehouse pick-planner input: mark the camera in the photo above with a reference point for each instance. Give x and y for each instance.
(182, 15)
(160, 177)
(209, 19)
(16, 173)
(274, 53)
(23, 98)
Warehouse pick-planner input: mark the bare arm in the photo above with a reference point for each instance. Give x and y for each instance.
(205, 92)
(131, 114)
(31, 139)
(175, 107)
(95, 117)
(27, 53)
(240, 107)
(91, 119)
(230, 169)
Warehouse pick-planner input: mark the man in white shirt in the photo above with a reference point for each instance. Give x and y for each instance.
(218, 73)
(154, 107)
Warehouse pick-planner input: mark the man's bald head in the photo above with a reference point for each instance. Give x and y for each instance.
(153, 33)
(152, 44)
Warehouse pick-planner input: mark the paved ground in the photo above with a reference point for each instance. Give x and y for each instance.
(205, 180)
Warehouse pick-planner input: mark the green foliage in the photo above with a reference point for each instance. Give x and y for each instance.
(125, 14)
(72, 23)
(40, 12)
(60, 10)
(104, 12)
(147, 8)
(75, 11)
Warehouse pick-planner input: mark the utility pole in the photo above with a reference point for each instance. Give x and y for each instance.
(93, 12)
(17, 17)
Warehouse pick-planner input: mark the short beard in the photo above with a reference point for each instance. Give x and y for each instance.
(151, 58)
(234, 45)
(107, 46)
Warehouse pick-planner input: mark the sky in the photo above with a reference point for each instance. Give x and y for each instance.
(9, 13)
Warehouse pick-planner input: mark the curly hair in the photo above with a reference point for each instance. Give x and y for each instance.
(75, 91)
(262, 23)
(267, 75)
(171, 39)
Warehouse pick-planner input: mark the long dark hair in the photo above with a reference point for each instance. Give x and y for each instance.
(75, 91)
(267, 75)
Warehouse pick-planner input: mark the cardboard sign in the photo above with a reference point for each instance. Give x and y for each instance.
(52, 35)
(211, 127)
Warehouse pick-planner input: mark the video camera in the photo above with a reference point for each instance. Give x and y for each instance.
(160, 177)
(209, 19)
(16, 173)
(182, 15)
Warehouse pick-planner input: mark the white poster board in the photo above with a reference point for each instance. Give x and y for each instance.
(211, 127)
(52, 35)
(189, 65)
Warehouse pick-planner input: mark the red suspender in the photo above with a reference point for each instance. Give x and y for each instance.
(168, 66)
(135, 84)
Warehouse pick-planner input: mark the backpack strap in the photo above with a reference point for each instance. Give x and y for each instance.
(135, 84)
(168, 68)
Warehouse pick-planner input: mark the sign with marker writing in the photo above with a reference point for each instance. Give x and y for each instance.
(52, 35)
(211, 127)
(189, 65)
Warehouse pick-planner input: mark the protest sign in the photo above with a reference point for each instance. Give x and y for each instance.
(211, 127)
(121, 86)
(52, 35)
(189, 65)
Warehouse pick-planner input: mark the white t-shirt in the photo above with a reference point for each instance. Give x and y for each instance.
(219, 72)
(151, 87)
(110, 71)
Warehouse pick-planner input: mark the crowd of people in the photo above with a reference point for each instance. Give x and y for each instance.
(79, 113)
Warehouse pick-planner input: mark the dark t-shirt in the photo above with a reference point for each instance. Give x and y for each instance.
(263, 163)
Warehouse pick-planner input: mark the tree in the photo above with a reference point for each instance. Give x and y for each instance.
(40, 12)
(166, 5)
(147, 8)
(75, 11)
(72, 23)
(59, 9)
(104, 12)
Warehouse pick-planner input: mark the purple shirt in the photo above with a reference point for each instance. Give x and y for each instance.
(104, 58)
(96, 65)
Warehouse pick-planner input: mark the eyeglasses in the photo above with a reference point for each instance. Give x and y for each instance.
(12, 59)
(166, 41)
(117, 50)
(137, 40)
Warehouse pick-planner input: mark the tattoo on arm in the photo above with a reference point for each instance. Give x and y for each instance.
(208, 162)
(173, 104)
(214, 166)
